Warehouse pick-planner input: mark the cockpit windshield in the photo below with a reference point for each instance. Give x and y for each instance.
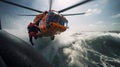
(53, 17)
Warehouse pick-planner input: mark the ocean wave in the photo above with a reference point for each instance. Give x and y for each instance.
(85, 49)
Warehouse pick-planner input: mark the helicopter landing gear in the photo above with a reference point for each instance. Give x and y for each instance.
(52, 37)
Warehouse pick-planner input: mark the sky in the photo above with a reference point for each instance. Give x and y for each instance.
(102, 15)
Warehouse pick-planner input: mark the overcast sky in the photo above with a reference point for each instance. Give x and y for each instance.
(103, 15)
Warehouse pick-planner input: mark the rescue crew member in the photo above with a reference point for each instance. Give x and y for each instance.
(32, 31)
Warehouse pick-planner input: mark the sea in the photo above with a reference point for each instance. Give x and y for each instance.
(82, 49)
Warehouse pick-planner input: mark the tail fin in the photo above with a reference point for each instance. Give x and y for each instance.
(0, 24)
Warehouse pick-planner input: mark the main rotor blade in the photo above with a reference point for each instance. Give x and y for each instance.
(78, 4)
(74, 14)
(50, 4)
(15, 4)
(26, 15)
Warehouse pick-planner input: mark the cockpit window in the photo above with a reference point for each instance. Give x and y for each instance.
(63, 21)
(52, 17)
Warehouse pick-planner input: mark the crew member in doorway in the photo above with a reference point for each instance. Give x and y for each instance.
(33, 30)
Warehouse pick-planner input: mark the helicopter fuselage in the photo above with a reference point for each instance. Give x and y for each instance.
(51, 24)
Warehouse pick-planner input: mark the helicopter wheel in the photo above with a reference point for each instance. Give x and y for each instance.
(52, 37)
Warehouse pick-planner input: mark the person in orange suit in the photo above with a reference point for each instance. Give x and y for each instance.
(32, 31)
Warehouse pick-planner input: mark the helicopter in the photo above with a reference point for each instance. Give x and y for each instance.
(53, 22)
